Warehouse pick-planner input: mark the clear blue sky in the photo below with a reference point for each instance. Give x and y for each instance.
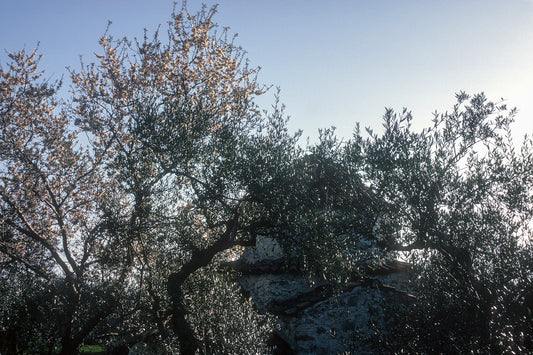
(337, 62)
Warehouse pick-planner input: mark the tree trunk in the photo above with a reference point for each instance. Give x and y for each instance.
(187, 341)
(68, 344)
(199, 258)
(68, 347)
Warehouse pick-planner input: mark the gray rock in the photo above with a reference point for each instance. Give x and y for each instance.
(312, 317)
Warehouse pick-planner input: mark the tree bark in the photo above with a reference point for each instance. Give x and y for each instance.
(187, 341)
(68, 347)
(199, 258)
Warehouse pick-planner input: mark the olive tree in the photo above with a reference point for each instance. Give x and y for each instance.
(175, 125)
(460, 204)
(202, 169)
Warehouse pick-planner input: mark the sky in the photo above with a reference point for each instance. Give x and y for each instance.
(337, 62)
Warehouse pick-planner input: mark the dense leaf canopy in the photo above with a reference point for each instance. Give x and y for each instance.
(119, 203)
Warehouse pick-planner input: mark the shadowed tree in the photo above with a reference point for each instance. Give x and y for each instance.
(176, 127)
(460, 202)
(203, 169)
(123, 200)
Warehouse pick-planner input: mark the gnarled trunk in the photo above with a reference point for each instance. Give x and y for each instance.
(199, 259)
(187, 341)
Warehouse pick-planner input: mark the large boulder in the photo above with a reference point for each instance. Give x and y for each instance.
(315, 317)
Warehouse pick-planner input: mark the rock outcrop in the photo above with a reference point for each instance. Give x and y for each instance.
(313, 316)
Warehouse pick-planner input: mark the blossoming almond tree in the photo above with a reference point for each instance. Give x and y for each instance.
(50, 192)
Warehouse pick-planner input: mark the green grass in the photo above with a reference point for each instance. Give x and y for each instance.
(84, 350)
(92, 349)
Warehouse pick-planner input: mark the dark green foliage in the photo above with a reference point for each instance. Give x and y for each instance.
(118, 238)
(25, 303)
(224, 321)
(461, 206)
